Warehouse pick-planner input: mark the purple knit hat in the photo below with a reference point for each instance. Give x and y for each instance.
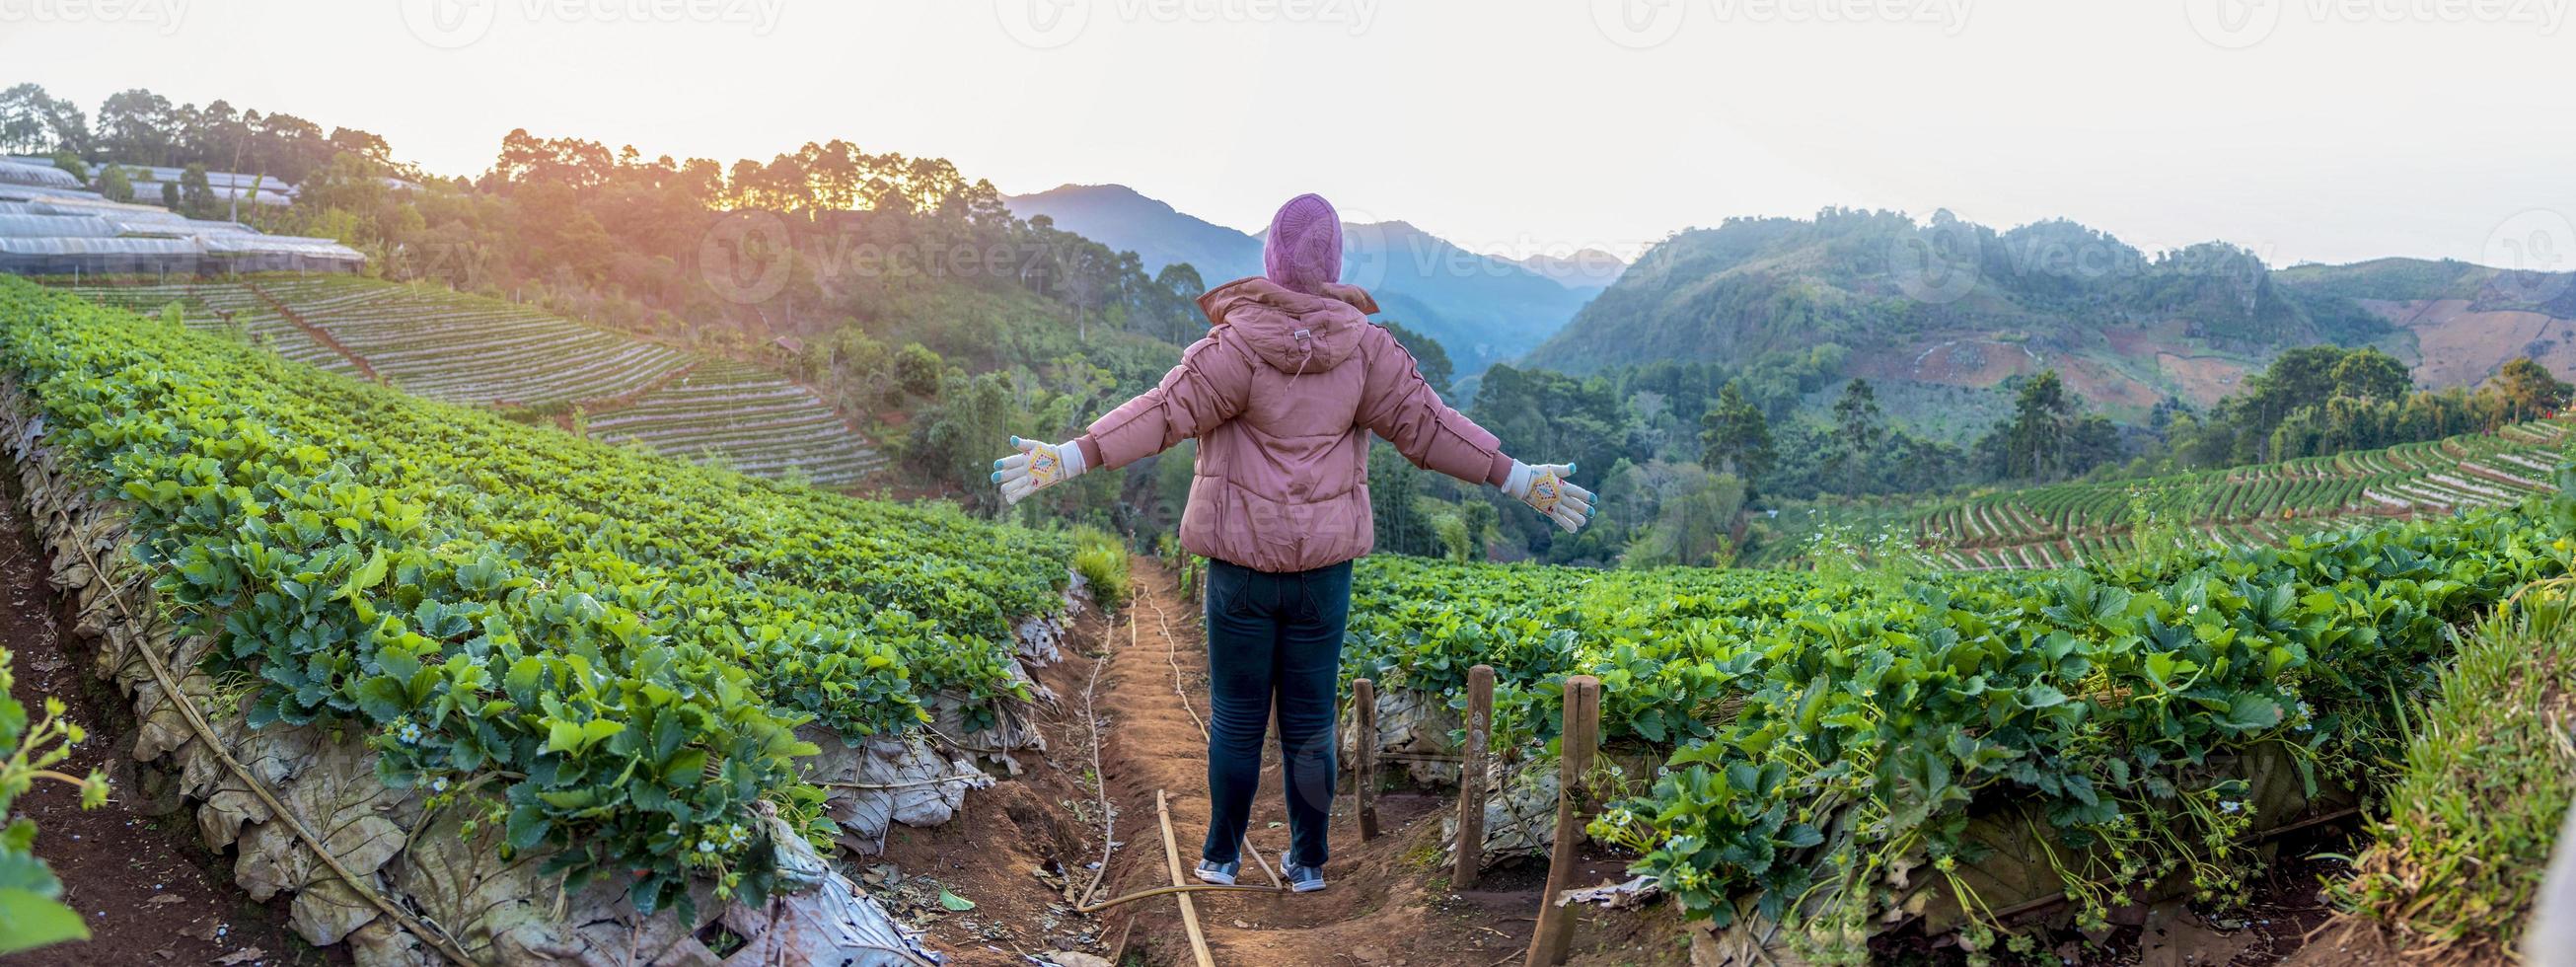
(1304, 248)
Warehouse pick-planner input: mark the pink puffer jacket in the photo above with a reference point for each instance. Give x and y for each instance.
(1282, 396)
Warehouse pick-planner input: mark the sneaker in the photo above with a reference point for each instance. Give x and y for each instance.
(1303, 879)
(1221, 874)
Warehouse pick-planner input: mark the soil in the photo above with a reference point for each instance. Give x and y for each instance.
(134, 868)
(1389, 901)
(2461, 345)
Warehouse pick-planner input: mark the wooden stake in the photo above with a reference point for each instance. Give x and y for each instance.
(1471, 779)
(1364, 764)
(1582, 734)
(1172, 858)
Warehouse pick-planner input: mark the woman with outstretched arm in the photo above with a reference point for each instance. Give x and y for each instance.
(1283, 395)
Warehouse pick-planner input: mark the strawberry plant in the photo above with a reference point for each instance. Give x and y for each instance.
(606, 653)
(1826, 738)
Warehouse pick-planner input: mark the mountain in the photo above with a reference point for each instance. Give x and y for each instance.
(2459, 323)
(1118, 217)
(1925, 308)
(1480, 308)
(1589, 268)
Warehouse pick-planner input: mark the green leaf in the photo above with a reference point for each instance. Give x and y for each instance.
(383, 698)
(367, 576)
(526, 828)
(562, 736)
(28, 921)
(2038, 696)
(2249, 713)
(954, 902)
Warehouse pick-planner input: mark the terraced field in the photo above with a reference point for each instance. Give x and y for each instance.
(468, 349)
(213, 305)
(755, 421)
(2059, 525)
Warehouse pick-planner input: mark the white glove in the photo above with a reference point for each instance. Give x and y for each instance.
(1036, 467)
(1546, 490)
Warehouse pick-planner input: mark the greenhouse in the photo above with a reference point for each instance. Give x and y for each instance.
(22, 172)
(45, 231)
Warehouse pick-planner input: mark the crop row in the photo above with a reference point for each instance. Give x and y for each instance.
(613, 649)
(224, 306)
(2055, 525)
(474, 350)
(754, 420)
(1825, 739)
(469, 349)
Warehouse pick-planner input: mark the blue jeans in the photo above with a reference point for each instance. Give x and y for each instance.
(1273, 635)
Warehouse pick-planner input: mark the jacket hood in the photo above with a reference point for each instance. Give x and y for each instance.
(1292, 331)
(1303, 249)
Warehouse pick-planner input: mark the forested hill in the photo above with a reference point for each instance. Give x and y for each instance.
(1482, 309)
(1953, 303)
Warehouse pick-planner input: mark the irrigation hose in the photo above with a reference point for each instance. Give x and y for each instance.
(436, 939)
(1187, 888)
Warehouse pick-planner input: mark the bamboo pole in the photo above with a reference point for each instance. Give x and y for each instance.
(1471, 779)
(1364, 763)
(1581, 735)
(1172, 858)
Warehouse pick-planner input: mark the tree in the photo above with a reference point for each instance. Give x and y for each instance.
(1857, 420)
(2032, 443)
(32, 121)
(72, 165)
(2529, 389)
(2369, 374)
(1734, 437)
(1428, 357)
(1859, 428)
(170, 195)
(955, 439)
(135, 127)
(23, 110)
(917, 369)
(1694, 524)
(196, 194)
(113, 183)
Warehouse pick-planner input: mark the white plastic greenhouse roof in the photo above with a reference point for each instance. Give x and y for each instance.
(52, 230)
(97, 246)
(48, 176)
(289, 244)
(19, 225)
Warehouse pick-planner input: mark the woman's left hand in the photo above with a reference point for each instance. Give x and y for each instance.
(1036, 467)
(1545, 489)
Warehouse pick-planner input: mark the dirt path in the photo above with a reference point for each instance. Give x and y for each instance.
(1389, 902)
(134, 868)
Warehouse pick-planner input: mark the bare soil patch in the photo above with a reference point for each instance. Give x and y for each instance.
(134, 868)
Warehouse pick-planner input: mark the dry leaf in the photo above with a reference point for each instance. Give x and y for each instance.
(163, 899)
(242, 956)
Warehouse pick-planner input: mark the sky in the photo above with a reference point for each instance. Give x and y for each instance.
(2305, 130)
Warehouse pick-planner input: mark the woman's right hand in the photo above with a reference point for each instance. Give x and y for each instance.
(1545, 489)
(1036, 467)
